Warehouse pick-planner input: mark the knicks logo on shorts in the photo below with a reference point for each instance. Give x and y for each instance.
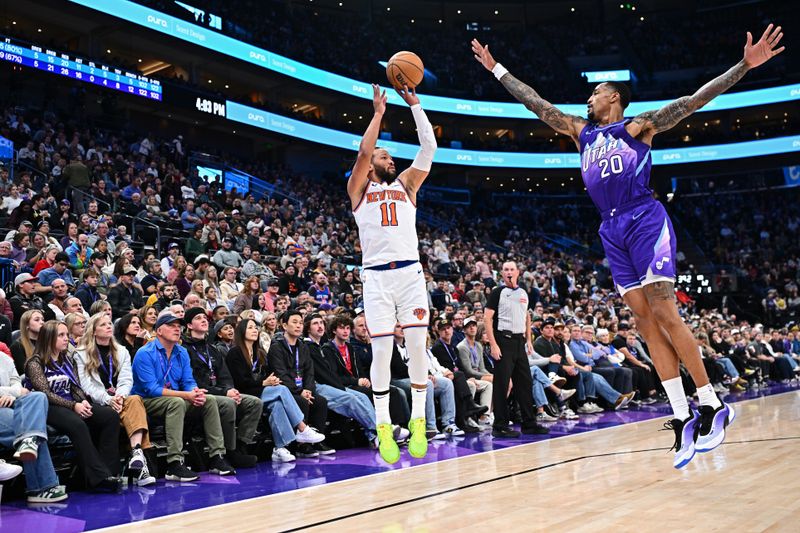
(420, 313)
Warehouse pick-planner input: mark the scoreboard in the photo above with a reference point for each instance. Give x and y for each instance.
(54, 62)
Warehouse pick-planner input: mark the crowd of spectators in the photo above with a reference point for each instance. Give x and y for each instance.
(252, 307)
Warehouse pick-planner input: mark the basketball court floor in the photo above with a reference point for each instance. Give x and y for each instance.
(604, 472)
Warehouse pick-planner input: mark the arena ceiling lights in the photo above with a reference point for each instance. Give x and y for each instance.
(212, 40)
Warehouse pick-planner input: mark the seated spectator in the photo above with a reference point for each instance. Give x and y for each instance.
(124, 297)
(239, 413)
(162, 376)
(168, 263)
(79, 252)
(470, 355)
(59, 270)
(342, 400)
(100, 306)
(248, 296)
(76, 328)
(248, 366)
(48, 259)
(447, 355)
(227, 256)
(93, 429)
(129, 333)
(87, 292)
(22, 349)
(184, 280)
(25, 299)
(23, 427)
(582, 360)
(291, 362)
(59, 300)
(148, 316)
(104, 370)
(228, 287)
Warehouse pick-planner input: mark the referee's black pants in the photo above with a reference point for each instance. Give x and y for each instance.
(513, 364)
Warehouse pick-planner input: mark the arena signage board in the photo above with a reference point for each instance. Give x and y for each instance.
(224, 44)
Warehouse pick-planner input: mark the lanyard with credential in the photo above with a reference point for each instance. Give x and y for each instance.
(110, 369)
(473, 354)
(166, 369)
(209, 363)
(453, 359)
(298, 379)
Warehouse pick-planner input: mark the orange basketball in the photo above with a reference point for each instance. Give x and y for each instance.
(405, 68)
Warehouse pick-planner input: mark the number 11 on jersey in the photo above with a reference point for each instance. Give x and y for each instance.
(388, 214)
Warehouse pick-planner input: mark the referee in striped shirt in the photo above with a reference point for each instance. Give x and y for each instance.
(508, 325)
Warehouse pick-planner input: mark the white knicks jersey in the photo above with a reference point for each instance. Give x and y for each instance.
(387, 225)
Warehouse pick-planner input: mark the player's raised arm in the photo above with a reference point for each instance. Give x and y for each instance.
(561, 122)
(360, 174)
(651, 122)
(414, 175)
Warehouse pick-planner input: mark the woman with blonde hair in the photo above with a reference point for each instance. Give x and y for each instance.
(101, 306)
(269, 324)
(104, 370)
(22, 348)
(147, 320)
(76, 327)
(212, 278)
(93, 429)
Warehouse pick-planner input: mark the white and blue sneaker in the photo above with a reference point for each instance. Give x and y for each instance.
(711, 429)
(685, 431)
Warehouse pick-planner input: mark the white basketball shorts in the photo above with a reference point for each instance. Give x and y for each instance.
(393, 297)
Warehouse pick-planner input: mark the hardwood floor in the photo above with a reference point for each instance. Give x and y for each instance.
(619, 479)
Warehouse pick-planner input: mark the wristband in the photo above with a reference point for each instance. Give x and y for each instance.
(499, 71)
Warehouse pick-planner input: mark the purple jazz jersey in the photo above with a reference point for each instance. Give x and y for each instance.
(636, 232)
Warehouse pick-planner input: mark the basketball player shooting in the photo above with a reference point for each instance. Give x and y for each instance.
(384, 206)
(636, 232)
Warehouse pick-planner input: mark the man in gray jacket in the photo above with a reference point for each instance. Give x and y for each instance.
(470, 355)
(227, 257)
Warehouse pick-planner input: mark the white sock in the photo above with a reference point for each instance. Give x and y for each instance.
(382, 415)
(707, 396)
(418, 397)
(677, 397)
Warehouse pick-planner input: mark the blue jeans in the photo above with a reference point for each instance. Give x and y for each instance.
(28, 418)
(430, 407)
(284, 414)
(727, 367)
(585, 386)
(443, 390)
(540, 382)
(788, 357)
(352, 404)
(603, 388)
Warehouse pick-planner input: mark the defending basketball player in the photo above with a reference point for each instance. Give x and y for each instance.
(636, 232)
(384, 206)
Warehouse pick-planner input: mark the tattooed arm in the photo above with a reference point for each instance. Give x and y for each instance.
(651, 122)
(561, 122)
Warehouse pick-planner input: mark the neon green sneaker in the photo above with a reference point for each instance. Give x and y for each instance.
(418, 443)
(386, 444)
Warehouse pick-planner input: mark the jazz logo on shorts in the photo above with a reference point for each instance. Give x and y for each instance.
(420, 313)
(660, 264)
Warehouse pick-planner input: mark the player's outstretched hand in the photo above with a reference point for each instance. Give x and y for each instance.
(378, 99)
(482, 55)
(408, 95)
(764, 50)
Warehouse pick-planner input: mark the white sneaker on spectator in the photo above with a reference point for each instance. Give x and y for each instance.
(8, 471)
(471, 423)
(566, 394)
(309, 435)
(586, 409)
(401, 434)
(596, 408)
(556, 380)
(441, 436)
(282, 455)
(485, 421)
(544, 417)
(569, 414)
(453, 431)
